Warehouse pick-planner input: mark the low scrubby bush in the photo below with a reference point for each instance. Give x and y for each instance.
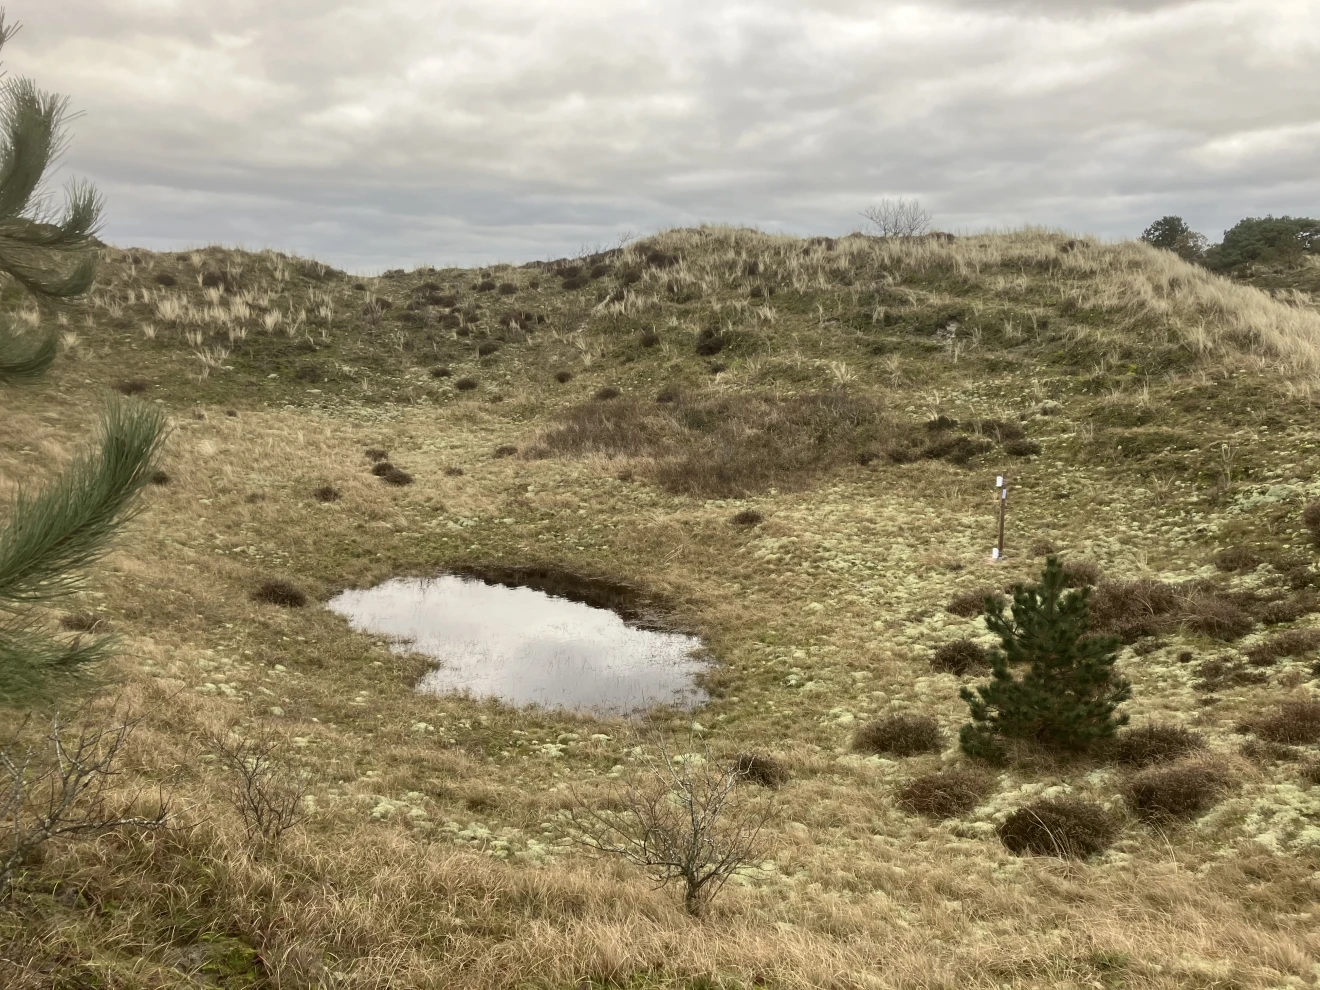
(899, 735)
(969, 604)
(945, 793)
(757, 768)
(1186, 789)
(465, 384)
(1069, 828)
(1236, 559)
(747, 517)
(376, 454)
(326, 493)
(959, 657)
(396, 476)
(280, 593)
(1294, 723)
(1155, 743)
(1292, 643)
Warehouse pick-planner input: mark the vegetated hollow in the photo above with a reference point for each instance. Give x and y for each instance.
(532, 636)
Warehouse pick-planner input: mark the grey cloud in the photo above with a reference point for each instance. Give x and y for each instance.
(378, 134)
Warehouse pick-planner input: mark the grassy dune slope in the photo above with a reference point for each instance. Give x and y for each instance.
(1149, 416)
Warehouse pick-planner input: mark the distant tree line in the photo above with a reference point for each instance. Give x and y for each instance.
(1265, 240)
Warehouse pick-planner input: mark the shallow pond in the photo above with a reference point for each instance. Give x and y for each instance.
(529, 646)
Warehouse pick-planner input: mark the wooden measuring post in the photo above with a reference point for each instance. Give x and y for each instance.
(1002, 488)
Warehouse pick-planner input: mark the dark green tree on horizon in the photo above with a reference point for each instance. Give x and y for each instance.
(1172, 234)
(50, 535)
(1068, 696)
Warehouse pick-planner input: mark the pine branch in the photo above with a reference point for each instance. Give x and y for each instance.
(51, 535)
(22, 363)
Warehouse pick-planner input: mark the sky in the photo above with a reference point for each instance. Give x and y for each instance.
(392, 133)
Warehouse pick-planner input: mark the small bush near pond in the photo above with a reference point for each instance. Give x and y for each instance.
(757, 768)
(946, 793)
(1069, 828)
(1155, 743)
(959, 657)
(899, 735)
(280, 593)
(1181, 790)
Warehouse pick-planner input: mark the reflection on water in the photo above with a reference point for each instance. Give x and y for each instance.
(526, 646)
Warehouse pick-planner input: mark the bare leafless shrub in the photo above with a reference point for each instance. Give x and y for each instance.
(266, 796)
(63, 787)
(900, 217)
(682, 820)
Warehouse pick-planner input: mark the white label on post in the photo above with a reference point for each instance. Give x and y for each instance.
(999, 481)
(1003, 493)
(994, 553)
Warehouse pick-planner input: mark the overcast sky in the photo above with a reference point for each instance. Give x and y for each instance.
(381, 133)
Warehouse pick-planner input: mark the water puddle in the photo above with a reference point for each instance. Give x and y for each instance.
(530, 637)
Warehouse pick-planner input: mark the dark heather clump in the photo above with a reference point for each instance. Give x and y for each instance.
(280, 593)
(1155, 743)
(969, 604)
(376, 454)
(326, 493)
(900, 735)
(757, 768)
(1186, 789)
(1066, 827)
(381, 468)
(747, 517)
(959, 657)
(946, 793)
(1294, 723)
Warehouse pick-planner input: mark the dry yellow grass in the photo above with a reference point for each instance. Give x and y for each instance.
(435, 852)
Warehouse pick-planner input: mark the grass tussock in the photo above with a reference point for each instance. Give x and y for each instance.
(899, 735)
(326, 493)
(1070, 828)
(747, 517)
